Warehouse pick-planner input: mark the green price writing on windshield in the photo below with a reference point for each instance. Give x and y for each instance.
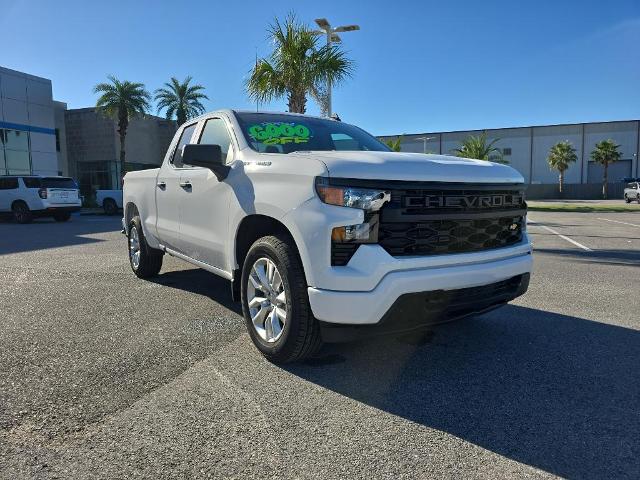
(280, 133)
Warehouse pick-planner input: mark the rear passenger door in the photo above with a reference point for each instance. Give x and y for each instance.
(204, 202)
(169, 192)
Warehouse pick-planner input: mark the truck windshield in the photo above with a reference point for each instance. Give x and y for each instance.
(281, 133)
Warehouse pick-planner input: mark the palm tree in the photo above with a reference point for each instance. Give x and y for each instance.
(121, 101)
(560, 156)
(180, 99)
(476, 146)
(606, 152)
(297, 67)
(395, 145)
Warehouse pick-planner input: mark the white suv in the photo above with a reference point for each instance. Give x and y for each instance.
(26, 197)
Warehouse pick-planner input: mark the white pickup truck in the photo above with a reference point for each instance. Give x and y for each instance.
(109, 200)
(324, 233)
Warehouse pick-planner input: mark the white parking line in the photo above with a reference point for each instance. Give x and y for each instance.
(618, 221)
(564, 237)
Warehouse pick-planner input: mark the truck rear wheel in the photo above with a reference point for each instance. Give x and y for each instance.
(110, 206)
(145, 261)
(275, 303)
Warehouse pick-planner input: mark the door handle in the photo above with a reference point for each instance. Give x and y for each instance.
(161, 185)
(185, 184)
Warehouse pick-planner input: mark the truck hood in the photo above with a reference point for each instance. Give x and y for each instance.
(412, 166)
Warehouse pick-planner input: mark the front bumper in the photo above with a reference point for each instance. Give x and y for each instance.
(369, 307)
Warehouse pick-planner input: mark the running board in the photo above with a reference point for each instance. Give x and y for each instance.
(198, 263)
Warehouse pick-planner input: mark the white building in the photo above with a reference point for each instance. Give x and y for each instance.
(527, 148)
(27, 125)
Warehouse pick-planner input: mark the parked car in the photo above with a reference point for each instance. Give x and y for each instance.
(27, 196)
(109, 200)
(632, 192)
(324, 233)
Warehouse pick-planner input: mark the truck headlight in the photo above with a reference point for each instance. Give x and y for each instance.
(366, 199)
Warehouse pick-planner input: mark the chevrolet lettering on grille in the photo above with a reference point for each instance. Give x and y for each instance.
(463, 201)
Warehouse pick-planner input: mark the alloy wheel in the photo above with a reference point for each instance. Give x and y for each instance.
(267, 300)
(134, 247)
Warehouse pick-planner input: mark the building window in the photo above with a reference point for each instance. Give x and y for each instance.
(57, 139)
(14, 158)
(506, 151)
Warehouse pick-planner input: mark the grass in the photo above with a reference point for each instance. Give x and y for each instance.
(572, 207)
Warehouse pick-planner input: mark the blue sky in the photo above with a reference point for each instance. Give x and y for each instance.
(421, 65)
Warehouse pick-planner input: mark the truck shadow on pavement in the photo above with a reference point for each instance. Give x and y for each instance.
(200, 282)
(556, 392)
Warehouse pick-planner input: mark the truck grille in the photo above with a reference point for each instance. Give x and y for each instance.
(449, 236)
(449, 219)
(434, 218)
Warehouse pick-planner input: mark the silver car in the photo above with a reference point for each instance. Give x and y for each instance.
(632, 192)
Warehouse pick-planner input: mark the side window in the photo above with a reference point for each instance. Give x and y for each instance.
(31, 182)
(8, 183)
(185, 138)
(215, 133)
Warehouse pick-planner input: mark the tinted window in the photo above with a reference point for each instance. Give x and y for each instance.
(279, 133)
(8, 183)
(215, 133)
(184, 139)
(59, 182)
(31, 182)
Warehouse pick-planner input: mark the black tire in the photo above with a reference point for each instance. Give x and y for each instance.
(300, 336)
(627, 199)
(150, 259)
(110, 206)
(21, 212)
(62, 216)
(638, 199)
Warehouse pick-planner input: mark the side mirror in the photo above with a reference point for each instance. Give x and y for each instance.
(207, 156)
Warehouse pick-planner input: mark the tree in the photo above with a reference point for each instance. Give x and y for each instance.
(606, 152)
(395, 145)
(180, 99)
(121, 101)
(476, 146)
(297, 67)
(560, 156)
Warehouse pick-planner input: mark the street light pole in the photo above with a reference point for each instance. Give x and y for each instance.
(332, 36)
(424, 139)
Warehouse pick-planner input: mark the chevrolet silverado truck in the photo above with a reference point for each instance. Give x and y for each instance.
(324, 233)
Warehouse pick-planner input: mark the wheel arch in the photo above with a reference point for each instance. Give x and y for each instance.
(130, 211)
(20, 200)
(251, 228)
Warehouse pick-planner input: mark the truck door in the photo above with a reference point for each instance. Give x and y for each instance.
(204, 205)
(169, 192)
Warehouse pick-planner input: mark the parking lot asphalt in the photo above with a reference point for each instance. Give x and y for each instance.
(108, 376)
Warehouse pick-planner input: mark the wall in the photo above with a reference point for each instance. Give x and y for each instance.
(93, 146)
(59, 108)
(26, 112)
(529, 149)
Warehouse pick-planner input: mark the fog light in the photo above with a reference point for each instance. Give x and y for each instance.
(352, 233)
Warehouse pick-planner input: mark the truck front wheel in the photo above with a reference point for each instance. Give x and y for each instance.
(145, 261)
(275, 302)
